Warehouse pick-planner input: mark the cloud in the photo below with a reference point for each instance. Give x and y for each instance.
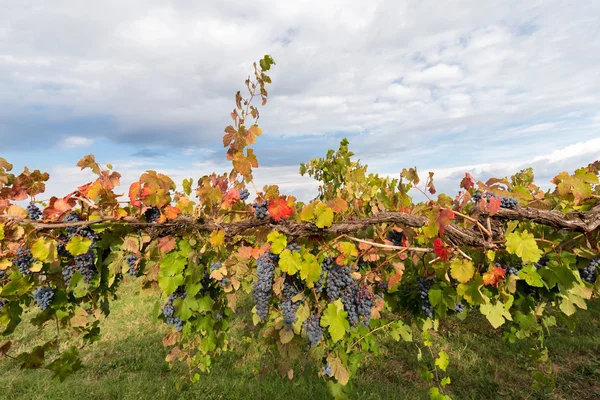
(411, 83)
(76, 141)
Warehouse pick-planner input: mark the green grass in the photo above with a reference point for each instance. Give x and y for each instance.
(128, 363)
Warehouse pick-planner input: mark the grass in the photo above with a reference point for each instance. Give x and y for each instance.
(128, 363)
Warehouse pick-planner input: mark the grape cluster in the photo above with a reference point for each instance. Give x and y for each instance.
(206, 280)
(294, 247)
(289, 307)
(33, 211)
(358, 303)
(424, 286)
(542, 261)
(313, 329)
(169, 309)
(383, 285)
(590, 272)
(338, 279)
(223, 282)
(23, 260)
(510, 270)
(86, 232)
(2, 274)
(395, 237)
(61, 246)
(132, 260)
(43, 297)
(261, 210)
(505, 202)
(328, 370)
(244, 194)
(72, 230)
(67, 272)
(85, 264)
(3, 303)
(459, 307)
(349, 301)
(508, 202)
(261, 289)
(152, 214)
(364, 303)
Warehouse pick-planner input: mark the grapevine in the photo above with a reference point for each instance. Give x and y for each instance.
(330, 276)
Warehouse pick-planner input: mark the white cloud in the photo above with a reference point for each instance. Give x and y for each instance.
(76, 141)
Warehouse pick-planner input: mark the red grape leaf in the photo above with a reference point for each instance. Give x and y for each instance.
(232, 197)
(493, 205)
(443, 219)
(467, 182)
(280, 209)
(440, 249)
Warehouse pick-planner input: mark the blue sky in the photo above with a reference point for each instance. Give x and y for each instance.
(485, 87)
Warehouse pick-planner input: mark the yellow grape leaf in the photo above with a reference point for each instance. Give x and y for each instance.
(307, 213)
(324, 216)
(217, 238)
(462, 270)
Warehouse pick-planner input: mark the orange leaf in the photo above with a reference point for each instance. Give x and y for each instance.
(171, 212)
(134, 194)
(280, 209)
(394, 279)
(493, 276)
(166, 244)
(232, 197)
(338, 205)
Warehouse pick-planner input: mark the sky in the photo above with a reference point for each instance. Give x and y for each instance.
(486, 87)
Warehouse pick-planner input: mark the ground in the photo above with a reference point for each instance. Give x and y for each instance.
(128, 363)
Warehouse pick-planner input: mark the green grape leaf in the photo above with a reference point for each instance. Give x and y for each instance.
(290, 262)
(187, 307)
(435, 297)
(78, 245)
(310, 269)
(172, 264)
(523, 245)
(531, 276)
(278, 242)
(334, 317)
(399, 329)
(496, 314)
(471, 291)
(462, 270)
(205, 304)
(442, 361)
(169, 284)
(434, 394)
